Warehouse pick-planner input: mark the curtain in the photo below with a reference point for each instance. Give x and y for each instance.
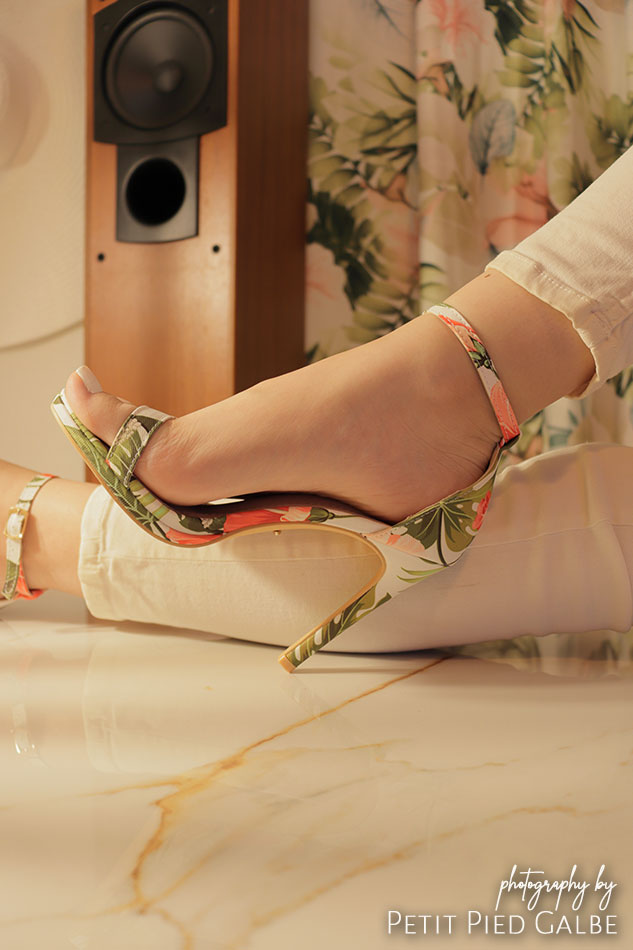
(442, 132)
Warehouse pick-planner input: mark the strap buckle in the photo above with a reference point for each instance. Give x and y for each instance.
(16, 512)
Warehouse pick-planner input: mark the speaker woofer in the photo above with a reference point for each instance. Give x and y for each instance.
(158, 68)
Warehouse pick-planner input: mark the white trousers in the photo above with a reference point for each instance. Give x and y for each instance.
(554, 553)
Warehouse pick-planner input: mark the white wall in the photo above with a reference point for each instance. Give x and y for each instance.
(42, 160)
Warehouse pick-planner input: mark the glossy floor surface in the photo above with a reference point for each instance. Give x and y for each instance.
(175, 791)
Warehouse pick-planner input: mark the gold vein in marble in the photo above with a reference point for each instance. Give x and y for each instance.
(401, 854)
(198, 779)
(195, 781)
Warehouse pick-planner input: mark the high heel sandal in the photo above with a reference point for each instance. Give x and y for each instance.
(419, 545)
(15, 586)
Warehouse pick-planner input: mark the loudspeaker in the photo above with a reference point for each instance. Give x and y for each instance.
(159, 83)
(195, 291)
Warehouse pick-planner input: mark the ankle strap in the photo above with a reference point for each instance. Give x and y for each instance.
(15, 583)
(473, 344)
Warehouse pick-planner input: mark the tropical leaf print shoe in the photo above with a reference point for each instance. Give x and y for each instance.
(419, 545)
(15, 586)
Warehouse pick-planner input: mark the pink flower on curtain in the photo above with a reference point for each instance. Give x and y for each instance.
(327, 308)
(460, 20)
(457, 32)
(399, 224)
(532, 207)
(323, 275)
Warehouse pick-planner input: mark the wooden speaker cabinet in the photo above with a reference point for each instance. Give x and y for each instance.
(181, 323)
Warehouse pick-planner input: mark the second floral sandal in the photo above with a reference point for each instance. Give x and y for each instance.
(420, 545)
(15, 586)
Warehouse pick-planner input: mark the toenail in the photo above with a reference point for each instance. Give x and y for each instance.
(89, 379)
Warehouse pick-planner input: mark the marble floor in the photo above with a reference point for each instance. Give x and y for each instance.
(175, 791)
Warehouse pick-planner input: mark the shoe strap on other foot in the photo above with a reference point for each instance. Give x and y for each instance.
(15, 585)
(482, 361)
(131, 439)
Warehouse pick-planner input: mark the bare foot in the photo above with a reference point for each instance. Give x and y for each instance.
(389, 427)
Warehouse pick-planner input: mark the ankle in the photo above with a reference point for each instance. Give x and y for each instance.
(15, 511)
(50, 545)
(536, 350)
(423, 429)
(452, 388)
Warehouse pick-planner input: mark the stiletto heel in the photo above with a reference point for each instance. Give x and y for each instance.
(419, 545)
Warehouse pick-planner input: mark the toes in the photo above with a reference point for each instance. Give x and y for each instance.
(100, 412)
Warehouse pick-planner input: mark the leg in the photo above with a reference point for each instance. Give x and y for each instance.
(50, 552)
(384, 426)
(365, 425)
(554, 555)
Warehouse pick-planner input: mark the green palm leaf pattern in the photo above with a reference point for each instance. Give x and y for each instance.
(412, 577)
(123, 456)
(11, 575)
(564, 70)
(94, 452)
(358, 146)
(320, 515)
(137, 499)
(358, 609)
(446, 525)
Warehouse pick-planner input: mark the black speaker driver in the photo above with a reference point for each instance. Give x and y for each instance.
(158, 68)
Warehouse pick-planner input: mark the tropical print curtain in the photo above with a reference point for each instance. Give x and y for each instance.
(442, 132)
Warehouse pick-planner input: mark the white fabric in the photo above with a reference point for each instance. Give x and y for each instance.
(554, 554)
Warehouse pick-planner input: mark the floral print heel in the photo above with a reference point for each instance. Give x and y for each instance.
(419, 545)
